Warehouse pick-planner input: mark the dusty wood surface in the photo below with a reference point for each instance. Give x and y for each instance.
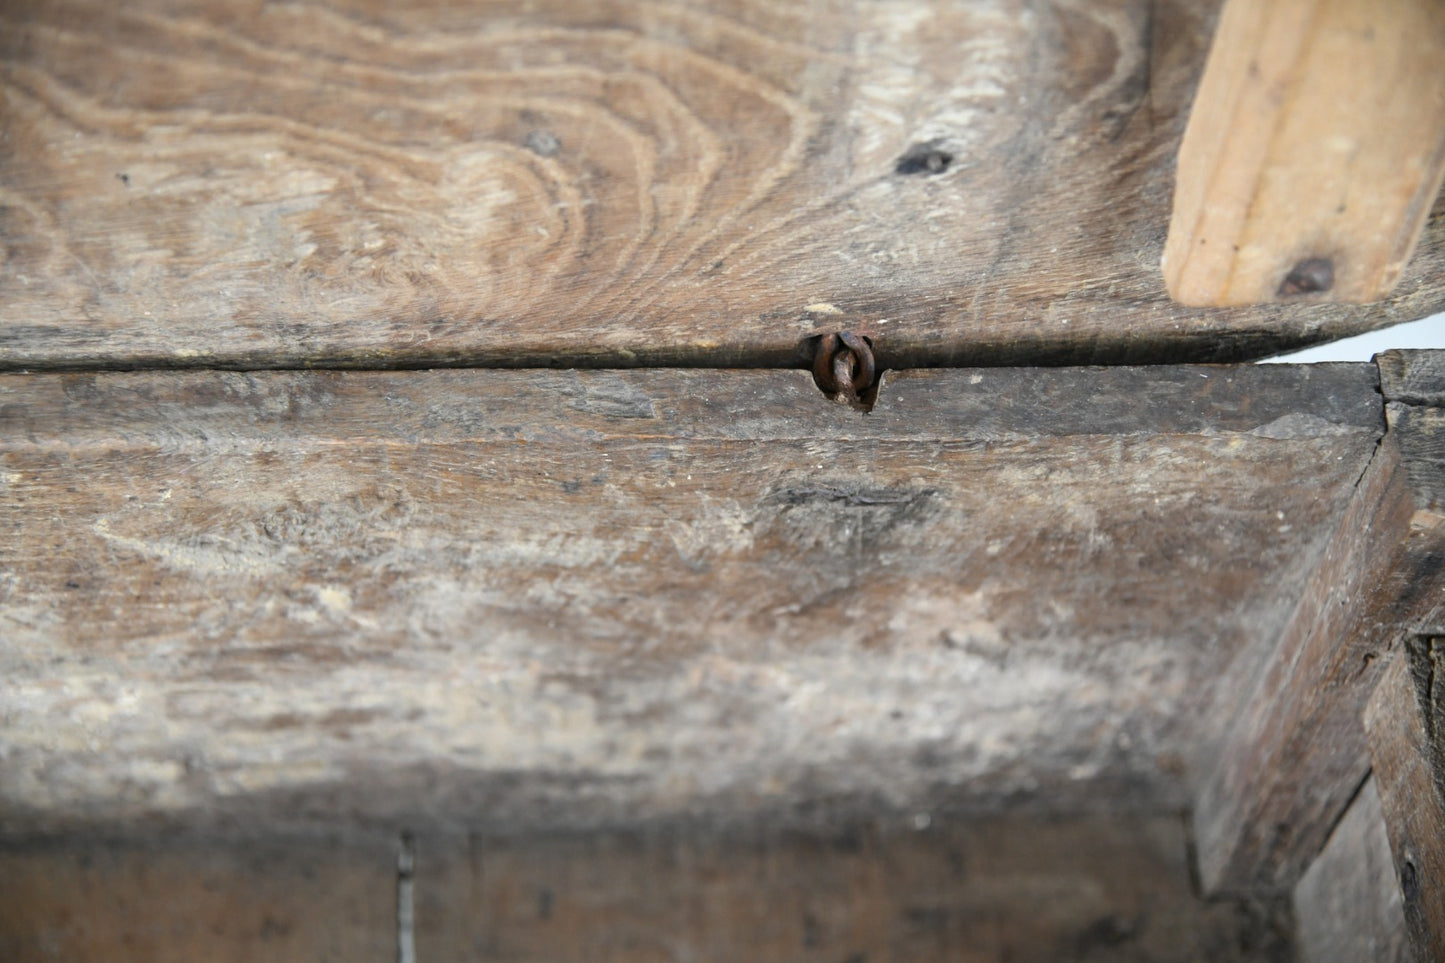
(1294, 752)
(1347, 906)
(1403, 720)
(219, 182)
(1001, 890)
(1314, 151)
(169, 901)
(560, 598)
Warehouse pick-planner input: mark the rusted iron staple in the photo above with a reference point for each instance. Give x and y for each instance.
(844, 365)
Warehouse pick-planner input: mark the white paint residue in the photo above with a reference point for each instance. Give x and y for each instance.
(203, 554)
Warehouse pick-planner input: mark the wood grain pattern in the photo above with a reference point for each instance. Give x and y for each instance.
(981, 892)
(287, 900)
(550, 599)
(1347, 906)
(350, 183)
(1409, 755)
(1315, 149)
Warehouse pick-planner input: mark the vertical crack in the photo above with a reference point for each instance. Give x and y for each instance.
(405, 912)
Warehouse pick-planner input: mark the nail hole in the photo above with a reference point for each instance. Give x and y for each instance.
(1409, 882)
(544, 143)
(924, 159)
(1310, 276)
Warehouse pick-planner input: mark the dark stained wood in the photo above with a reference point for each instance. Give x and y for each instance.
(179, 901)
(1003, 889)
(226, 183)
(1413, 383)
(1314, 151)
(1406, 743)
(1347, 905)
(568, 599)
(1413, 377)
(1294, 752)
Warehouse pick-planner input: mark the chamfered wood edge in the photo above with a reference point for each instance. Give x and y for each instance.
(1406, 747)
(1295, 752)
(1208, 339)
(1272, 401)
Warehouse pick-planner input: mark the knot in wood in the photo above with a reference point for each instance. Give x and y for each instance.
(844, 365)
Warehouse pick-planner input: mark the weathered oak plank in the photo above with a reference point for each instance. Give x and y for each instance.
(1314, 151)
(548, 599)
(1403, 721)
(1347, 905)
(179, 901)
(1294, 752)
(1001, 889)
(218, 183)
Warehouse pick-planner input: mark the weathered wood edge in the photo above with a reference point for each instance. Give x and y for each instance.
(1274, 401)
(1405, 746)
(1206, 341)
(1296, 753)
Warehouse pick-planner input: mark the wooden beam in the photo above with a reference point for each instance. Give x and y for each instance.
(1314, 151)
(1294, 753)
(1347, 905)
(1406, 725)
(567, 598)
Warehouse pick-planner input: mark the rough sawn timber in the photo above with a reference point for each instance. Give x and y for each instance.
(551, 599)
(235, 184)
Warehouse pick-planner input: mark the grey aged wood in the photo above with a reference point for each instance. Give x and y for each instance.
(1003, 889)
(503, 600)
(1403, 720)
(1347, 905)
(223, 183)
